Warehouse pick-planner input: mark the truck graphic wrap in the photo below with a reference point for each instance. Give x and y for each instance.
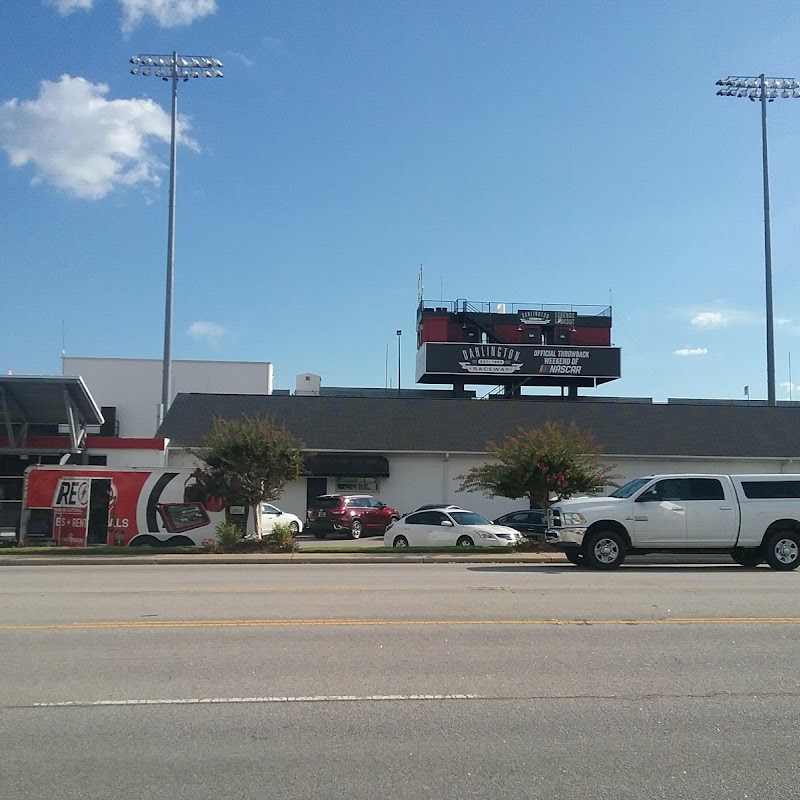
(75, 506)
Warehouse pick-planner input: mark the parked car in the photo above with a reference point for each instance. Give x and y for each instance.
(353, 514)
(272, 516)
(434, 505)
(448, 527)
(531, 523)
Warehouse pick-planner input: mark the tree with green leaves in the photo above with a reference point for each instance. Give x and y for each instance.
(249, 462)
(554, 461)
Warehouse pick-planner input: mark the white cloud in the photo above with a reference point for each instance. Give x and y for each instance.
(167, 13)
(782, 322)
(710, 319)
(273, 44)
(248, 62)
(210, 332)
(691, 351)
(83, 143)
(721, 315)
(790, 389)
(68, 6)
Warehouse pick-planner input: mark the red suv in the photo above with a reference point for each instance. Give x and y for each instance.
(353, 514)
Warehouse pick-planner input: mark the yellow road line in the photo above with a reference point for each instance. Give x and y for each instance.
(291, 623)
(260, 590)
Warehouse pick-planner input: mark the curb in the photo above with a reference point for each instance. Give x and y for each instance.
(278, 558)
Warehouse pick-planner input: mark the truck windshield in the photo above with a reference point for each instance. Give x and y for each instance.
(629, 488)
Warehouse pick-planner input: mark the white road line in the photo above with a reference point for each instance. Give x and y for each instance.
(320, 698)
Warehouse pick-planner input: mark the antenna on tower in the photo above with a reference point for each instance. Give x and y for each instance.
(420, 285)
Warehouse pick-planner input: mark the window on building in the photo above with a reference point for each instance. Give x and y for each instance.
(357, 485)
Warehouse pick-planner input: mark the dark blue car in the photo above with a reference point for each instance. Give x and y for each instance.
(531, 522)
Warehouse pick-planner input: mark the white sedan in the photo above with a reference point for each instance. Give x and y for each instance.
(440, 527)
(272, 516)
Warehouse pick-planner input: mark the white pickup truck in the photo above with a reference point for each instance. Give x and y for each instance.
(753, 518)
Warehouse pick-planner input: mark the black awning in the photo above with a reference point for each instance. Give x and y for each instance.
(346, 465)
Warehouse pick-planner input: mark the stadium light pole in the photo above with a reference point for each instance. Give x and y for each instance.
(173, 68)
(765, 89)
(399, 335)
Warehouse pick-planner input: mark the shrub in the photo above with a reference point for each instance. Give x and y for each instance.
(534, 545)
(231, 539)
(281, 538)
(229, 535)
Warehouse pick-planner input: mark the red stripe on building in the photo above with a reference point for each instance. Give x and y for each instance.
(92, 443)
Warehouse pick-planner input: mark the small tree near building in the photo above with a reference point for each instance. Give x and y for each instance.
(249, 462)
(554, 461)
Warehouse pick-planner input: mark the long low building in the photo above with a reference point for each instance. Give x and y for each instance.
(411, 450)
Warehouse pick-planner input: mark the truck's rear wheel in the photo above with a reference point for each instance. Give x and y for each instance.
(605, 550)
(783, 550)
(145, 541)
(748, 557)
(179, 541)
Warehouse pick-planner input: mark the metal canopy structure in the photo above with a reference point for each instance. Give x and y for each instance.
(30, 400)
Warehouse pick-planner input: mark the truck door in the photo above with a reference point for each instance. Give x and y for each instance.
(712, 513)
(659, 514)
(99, 500)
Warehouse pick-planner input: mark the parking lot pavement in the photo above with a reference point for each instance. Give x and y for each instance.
(339, 540)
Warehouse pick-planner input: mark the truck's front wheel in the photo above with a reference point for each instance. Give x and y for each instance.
(749, 557)
(605, 550)
(783, 550)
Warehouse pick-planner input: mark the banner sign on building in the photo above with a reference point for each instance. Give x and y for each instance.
(441, 362)
(548, 317)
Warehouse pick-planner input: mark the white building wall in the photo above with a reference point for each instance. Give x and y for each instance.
(130, 458)
(419, 478)
(133, 385)
(634, 467)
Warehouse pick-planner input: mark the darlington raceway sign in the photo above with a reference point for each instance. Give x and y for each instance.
(547, 362)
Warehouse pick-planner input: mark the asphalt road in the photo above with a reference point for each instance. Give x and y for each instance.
(401, 681)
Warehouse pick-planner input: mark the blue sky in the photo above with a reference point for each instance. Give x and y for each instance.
(561, 152)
